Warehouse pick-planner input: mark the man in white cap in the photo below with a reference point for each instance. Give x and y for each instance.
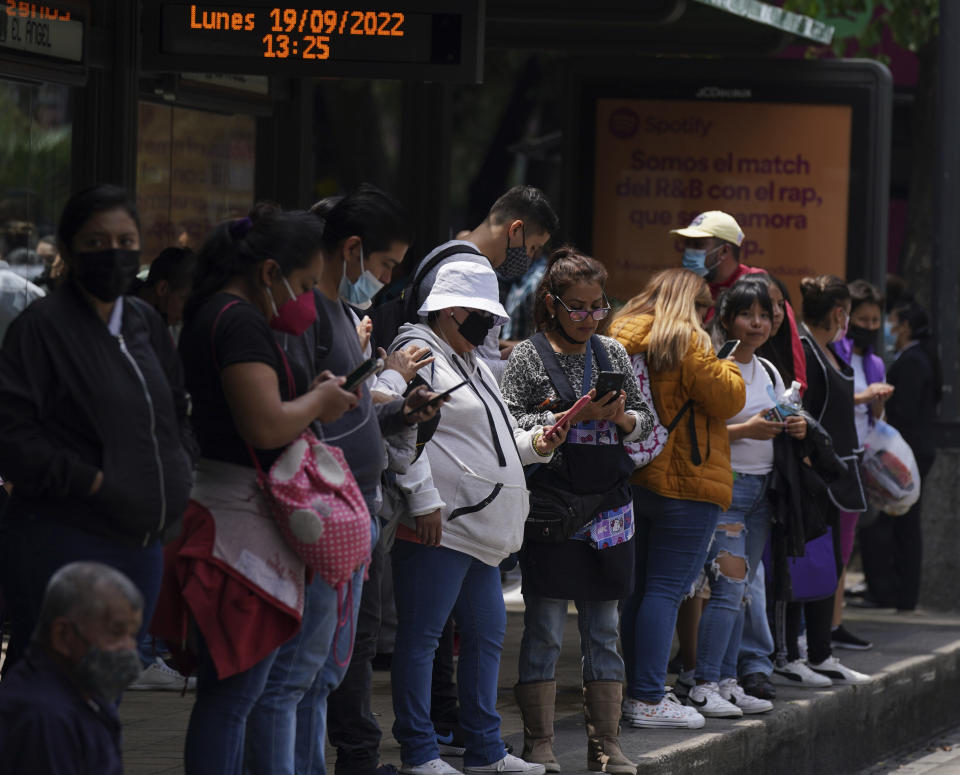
(711, 248)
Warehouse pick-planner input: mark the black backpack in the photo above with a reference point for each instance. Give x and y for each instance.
(389, 316)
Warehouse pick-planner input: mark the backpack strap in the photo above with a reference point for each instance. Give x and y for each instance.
(552, 366)
(768, 367)
(695, 456)
(442, 255)
(600, 353)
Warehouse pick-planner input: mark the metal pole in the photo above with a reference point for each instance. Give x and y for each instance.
(947, 245)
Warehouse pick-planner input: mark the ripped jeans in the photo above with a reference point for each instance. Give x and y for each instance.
(733, 559)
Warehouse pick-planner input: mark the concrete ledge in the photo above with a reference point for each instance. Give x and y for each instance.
(915, 694)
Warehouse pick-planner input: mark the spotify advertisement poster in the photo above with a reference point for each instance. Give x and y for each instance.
(782, 170)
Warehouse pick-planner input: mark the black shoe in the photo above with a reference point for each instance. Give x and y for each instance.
(758, 685)
(842, 638)
(387, 769)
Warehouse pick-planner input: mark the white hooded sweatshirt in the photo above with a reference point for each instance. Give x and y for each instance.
(472, 468)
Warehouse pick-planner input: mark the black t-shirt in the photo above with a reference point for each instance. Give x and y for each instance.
(241, 336)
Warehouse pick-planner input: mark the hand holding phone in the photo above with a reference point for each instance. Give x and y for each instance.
(438, 399)
(728, 349)
(609, 382)
(362, 373)
(568, 417)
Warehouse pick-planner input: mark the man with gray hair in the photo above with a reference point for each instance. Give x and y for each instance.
(56, 704)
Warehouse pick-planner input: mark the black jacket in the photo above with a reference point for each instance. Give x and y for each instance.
(912, 409)
(74, 400)
(47, 726)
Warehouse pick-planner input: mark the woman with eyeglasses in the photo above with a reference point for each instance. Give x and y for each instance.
(588, 559)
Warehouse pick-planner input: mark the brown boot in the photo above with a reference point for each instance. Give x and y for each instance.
(536, 701)
(601, 710)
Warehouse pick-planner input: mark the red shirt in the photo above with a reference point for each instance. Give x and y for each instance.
(799, 359)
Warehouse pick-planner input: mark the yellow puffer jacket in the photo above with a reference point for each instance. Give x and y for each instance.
(718, 393)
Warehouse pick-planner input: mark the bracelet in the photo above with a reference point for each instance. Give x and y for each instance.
(536, 437)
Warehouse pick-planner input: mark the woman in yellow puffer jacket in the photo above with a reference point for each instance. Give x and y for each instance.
(681, 492)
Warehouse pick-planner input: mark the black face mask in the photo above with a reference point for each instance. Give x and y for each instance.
(863, 337)
(106, 274)
(516, 261)
(475, 327)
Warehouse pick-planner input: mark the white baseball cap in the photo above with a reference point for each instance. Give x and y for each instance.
(465, 284)
(713, 223)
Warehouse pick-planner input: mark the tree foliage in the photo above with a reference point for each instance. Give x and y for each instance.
(912, 23)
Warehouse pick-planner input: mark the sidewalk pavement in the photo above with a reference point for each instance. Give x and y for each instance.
(914, 695)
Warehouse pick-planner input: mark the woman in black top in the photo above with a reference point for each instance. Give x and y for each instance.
(829, 399)
(92, 419)
(253, 277)
(892, 547)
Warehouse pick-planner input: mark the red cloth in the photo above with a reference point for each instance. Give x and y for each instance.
(799, 359)
(240, 623)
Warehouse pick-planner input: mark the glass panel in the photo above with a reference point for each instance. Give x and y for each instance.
(35, 129)
(194, 170)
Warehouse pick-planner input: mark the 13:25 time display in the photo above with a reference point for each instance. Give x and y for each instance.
(306, 46)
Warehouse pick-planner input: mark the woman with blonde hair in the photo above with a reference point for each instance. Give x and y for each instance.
(680, 492)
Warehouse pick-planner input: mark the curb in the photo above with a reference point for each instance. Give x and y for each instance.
(837, 730)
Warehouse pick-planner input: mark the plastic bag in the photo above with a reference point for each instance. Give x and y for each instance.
(890, 474)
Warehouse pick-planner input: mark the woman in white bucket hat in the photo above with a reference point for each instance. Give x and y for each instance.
(466, 502)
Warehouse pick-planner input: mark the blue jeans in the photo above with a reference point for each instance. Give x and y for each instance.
(430, 583)
(756, 643)
(677, 536)
(215, 736)
(288, 725)
(741, 533)
(543, 621)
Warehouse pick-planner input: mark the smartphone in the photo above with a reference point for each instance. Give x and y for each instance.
(438, 398)
(728, 349)
(609, 382)
(362, 373)
(772, 415)
(568, 417)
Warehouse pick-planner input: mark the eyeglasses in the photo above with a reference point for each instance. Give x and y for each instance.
(579, 315)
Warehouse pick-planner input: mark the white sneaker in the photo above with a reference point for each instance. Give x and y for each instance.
(432, 767)
(733, 693)
(160, 677)
(839, 674)
(508, 763)
(666, 713)
(708, 702)
(796, 673)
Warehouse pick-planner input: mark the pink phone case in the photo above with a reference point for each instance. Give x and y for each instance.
(569, 417)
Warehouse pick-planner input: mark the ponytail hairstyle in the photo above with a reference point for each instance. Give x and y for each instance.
(671, 297)
(237, 248)
(821, 294)
(565, 267)
(916, 316)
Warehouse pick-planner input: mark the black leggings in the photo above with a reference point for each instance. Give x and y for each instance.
(786, 629)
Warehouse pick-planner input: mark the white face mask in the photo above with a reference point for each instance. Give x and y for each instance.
(360, 294)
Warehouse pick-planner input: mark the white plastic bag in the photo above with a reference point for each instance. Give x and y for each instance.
(890, 474)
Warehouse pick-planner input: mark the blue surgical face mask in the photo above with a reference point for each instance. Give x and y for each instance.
(360, 294)
(695, 259)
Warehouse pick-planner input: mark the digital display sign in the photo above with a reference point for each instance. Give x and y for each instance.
(429, 41)
(41, 29)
